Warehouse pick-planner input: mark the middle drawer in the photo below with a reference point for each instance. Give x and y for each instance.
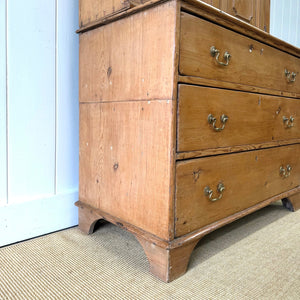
(210, 118)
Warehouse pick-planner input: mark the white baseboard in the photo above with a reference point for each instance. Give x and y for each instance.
(30, 219)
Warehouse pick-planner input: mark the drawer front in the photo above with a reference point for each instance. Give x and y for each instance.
(251, 118)
(251, 63)
(248, 178)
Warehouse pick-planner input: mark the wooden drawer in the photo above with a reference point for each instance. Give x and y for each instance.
(252, 63)
(248, 177)
(252, 118)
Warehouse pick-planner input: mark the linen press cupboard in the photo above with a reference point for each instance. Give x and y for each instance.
(189, 120)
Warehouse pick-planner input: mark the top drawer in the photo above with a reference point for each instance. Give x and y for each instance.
(251, 63)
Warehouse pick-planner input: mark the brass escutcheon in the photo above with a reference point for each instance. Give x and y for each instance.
(288, 122)
(291, 77)
(285, 172)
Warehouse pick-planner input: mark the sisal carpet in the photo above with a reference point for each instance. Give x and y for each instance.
(257, 257)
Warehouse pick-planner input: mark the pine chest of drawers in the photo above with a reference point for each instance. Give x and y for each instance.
(189, 120)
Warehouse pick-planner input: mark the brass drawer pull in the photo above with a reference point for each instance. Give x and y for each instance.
(285, 172)
(291, 77)
(288, 122)
(216, 53)
(209, 193)
(212, 120)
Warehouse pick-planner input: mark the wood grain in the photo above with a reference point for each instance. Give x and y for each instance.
(138, 2)
(252, 63)
(244, 10)
(235, 86)
(92, 10)
(254, 12)
(167, 264)
(208, 12)
(200, 232)
(233, 149)
(125, 155)
(129, 175)
(263, 14)
(215, 15)
(87, 218)
(253, 118)
(133, 59)
(88, 210)
(249, 178)
(176, 252)
(215, 3)
(190, 237)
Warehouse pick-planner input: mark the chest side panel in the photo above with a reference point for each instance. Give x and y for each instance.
(125, 154)
(130, 59)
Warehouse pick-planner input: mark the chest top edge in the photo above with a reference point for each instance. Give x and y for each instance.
(202, 10)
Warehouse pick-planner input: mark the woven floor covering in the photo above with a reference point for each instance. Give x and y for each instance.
(256, 257)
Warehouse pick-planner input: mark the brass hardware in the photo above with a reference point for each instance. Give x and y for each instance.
(212, 120)
(291, 77)
(285, 172)
(209, 193)
(216, 53)
(289, 122)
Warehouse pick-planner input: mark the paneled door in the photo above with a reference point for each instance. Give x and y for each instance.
(38, 117)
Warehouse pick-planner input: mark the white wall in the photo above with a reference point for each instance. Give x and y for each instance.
(3, 171)
(38, 117)
(285, 20)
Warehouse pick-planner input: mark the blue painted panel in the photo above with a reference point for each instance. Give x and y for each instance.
(3, 181)
(31, 98)
(67, 96)
(22, 221)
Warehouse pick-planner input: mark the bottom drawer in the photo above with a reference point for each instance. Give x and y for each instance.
(243, 179)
